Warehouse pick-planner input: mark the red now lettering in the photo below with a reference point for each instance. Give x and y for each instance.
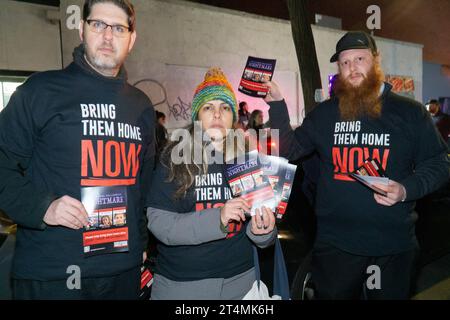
(199, 206)
(355, 154)
(131, 159)
(348, 159)
(110, 145)
(340, 162)
(376, 155)
(233, 228)
(100, 159)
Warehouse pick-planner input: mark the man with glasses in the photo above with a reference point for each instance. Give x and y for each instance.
(75, 143)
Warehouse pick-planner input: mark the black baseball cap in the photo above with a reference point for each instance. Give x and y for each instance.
(354, 40)
(432, 101)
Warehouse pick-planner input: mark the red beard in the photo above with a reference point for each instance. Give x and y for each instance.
(363, 100)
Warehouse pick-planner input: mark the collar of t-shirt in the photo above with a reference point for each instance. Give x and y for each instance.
(382, 88)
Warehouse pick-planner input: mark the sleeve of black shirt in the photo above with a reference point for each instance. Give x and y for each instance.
(175, 221)
(431, 163)
(19, 198)
(293, 144)
(146, 174)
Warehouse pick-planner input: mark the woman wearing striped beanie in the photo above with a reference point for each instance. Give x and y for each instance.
(205, 239)
(215, 86)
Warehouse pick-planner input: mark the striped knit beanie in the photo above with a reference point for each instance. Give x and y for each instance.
(214, 87)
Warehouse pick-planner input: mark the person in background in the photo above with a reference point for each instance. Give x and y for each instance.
(160, 131)
(440, 119)
(256, 120)
(244, 115)
(256, 123)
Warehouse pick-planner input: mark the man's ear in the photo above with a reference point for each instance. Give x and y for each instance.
(132, 41)
(80, 30)
(378, 58)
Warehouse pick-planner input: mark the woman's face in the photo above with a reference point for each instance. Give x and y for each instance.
(259, 119)
(216, 117)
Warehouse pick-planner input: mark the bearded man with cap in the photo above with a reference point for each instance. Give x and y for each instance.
(365, 244)
(205, 240)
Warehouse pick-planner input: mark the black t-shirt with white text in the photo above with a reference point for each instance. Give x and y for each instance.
(222, 258)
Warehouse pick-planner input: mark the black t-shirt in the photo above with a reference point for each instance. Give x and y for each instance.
(70, 129)
(405, 143)
(222, 258)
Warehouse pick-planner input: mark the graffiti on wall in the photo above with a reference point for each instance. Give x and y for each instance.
(177, 112)
(171, 93)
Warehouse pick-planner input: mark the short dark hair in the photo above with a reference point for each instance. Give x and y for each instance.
(433, 101)
(125, 5)
(159, 115)
(241, 110)
(252, 119)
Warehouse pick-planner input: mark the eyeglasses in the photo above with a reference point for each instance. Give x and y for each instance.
(99, 26)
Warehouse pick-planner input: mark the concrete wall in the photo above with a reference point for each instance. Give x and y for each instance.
(178, 40)
(435, 83)
(28, 41)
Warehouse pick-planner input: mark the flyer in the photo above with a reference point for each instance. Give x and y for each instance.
(273, 168)
(370, 182)
(248, 181)
(107, 231)
(147, 268)
(281, 177)
(370, 173)
(284, 189)
(256, 71)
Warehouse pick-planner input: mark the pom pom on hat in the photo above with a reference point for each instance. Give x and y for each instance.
(215, 86)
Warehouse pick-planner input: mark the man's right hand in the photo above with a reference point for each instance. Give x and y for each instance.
(274, 93)
(68, 212)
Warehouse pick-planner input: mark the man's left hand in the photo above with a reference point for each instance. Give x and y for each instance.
(395, 193)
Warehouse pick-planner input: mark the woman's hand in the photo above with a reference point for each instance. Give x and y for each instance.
(234, 209)
(263, 222)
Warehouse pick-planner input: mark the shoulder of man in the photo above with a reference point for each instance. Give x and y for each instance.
(140, 95)
(324, 107)
(402, 100)
(405, 102)
(39, 80)
(405, 105)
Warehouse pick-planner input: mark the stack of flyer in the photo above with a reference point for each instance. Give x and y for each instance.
(262, 180)
(281, 176)
(370, 174)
